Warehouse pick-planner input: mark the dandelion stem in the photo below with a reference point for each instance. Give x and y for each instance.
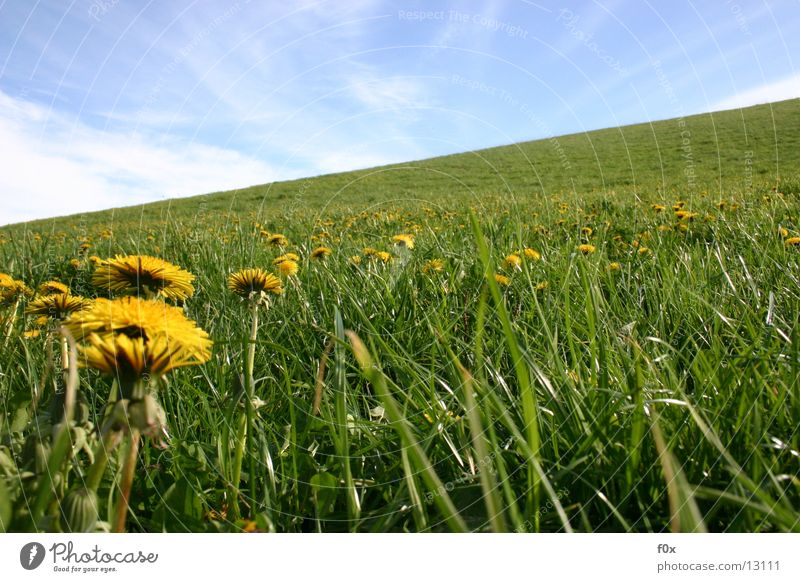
(127, 482)
(248, 405)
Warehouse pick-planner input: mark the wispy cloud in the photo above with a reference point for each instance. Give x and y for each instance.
(788, 88)
(62, 167)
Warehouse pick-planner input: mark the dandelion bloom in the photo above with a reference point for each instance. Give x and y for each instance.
(614, 266)
(277, 240)
(383, 256)
(532, 255)
(404, 240)
(288, 268)
(685, 215)
(11, 290)
(502, 280)
(132, 336)
(587, 231)
(320, 253)
(792, 241)
(783, 232)
(369, 251)
(248, 281)
(512, 261)
(285, 257)
(144, 275)
(658, 207)
(57, 305)
(643, 250)
(355, 260)
(586, 249)
(433, 266)
(53, 288)
(541, 286)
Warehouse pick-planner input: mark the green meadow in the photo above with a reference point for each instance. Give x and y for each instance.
(597, 332)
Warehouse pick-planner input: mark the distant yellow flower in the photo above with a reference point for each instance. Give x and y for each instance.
(679, 204)
(541, 286)
(57, 306)
(658, 207)
(586, 249)
(512, 261)
(532, 255)
(31, 333)
(783, 232)
(792, 241)
(643, 250)
(320, 253)
(355, 260)
(685, 215)
(433, 266)
(288, 268)
(5, 279)
(144, 275)
(587, 231)
(614, 266)
(285, 257)
(369, 251)
(383, 256)
(502, 280)
(52, 288)
(12, 290)
(247, 282)
(95, 260)
(277, 240)
(404, 240)
(75, 264)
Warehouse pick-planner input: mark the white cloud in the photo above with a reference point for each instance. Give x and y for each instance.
(53, 166)
(788, 88)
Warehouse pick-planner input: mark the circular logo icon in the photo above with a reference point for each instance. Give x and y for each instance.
(31, 555)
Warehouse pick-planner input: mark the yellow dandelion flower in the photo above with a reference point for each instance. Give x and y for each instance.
(355, 260)
(144, 275)
(57, 306)
(532, 255)
(12, 290)
(277, 240)
(249, 281)
(792, 241)
(512, 261)
(678, 205)
(140, 318)
(75, 264)
(586, 249)
(369, 251)
(404, 240)
(587, 231)
(5, 279)
(286, 257)
(502, 280)
(658, 207)
(643, 250)
(614, 266)
(783, 232)
(320, 253)
(685, 215)
(433, 266)
(95, 261)
(52, 288)
(383, 256)
(131, 357)
(541, 286)
(31, 333)
(288, 268)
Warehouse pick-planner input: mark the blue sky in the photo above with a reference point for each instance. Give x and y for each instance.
(108, 103)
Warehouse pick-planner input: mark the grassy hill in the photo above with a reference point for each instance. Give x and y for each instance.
(608, 343)
(717, 152)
